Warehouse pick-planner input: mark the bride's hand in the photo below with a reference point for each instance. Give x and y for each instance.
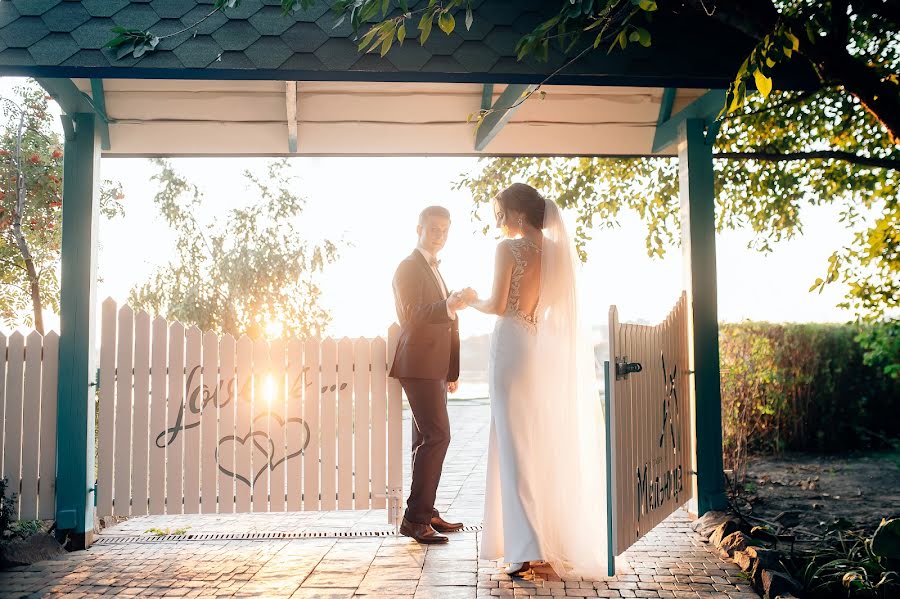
(469, 295)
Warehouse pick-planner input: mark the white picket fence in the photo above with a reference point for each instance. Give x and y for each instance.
(191, 422)
(28, 374)
(650, 413)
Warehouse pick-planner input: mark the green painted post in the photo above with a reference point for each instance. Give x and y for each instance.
(698, 242)
(75, 394)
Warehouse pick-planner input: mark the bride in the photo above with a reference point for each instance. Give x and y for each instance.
(545, 497)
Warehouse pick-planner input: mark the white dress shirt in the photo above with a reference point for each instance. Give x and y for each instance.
(437, 275)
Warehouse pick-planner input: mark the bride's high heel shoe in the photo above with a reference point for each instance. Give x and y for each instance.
(517, 568)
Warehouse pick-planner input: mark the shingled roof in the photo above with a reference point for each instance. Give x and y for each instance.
(63, 38)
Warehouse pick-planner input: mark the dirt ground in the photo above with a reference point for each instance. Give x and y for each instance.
(806, 491)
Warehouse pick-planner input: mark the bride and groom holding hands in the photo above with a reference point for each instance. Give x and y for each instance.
(544, 490)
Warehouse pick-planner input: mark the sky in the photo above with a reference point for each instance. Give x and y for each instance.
(373, 204)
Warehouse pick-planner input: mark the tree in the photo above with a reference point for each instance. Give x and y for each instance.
(244, 271)
(31, 208)
(765, 169)
(852, 44)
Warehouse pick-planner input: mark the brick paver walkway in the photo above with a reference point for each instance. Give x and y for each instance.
(670, 562)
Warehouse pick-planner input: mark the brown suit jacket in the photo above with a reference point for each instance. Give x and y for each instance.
(429, 339)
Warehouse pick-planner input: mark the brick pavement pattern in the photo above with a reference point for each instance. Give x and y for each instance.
(672, 561)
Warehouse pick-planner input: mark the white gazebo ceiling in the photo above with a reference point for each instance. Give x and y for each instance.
(150, 117)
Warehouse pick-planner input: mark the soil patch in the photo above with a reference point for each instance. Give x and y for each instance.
(808, 491)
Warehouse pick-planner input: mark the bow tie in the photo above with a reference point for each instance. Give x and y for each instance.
(434, 262)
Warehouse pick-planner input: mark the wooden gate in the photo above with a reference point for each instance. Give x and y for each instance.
(649, 429)
(191, 422)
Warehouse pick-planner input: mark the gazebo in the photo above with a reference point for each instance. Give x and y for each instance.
(251, 82)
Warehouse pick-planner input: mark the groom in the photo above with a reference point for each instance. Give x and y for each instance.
(427, 364)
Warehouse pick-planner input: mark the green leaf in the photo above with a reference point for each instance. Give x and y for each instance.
(425, 26)
(621, 40)
(386, 44)
(401, 32)
(794, 40)
(648, 5)
(368, 37)
(447, 22)
(469, 18)
(763, 83)
(643, 37)
(886, 541)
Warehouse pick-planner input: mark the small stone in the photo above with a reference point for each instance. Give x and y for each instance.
(736, 541)
(708, 522)
(743, 560)
(722, 530)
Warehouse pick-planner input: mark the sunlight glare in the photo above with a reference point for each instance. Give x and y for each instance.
(269, 389)
(274, 329)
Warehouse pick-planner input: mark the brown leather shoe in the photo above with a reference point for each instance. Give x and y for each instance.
(441, 525)
(422, 533)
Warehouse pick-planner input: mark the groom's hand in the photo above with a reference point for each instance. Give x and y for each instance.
(452, 386)
(456, 301)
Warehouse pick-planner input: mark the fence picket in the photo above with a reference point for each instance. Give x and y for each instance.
(311, 397)
(12, 455)
(207, 402)
(176, 410)
(362, 368)
(328, 423)
(278, 427)
(141, 426)
(345, 424)
(193, 388)
(49, 377)
(298, 437)
(227, 400)
(124, 373)
(157, 441)
(106, 432)
(379, 423)
(394, 433)
(31, 421)
(243, 441)
(262, 445)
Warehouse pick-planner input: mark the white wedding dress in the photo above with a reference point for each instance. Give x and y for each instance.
(545, 497)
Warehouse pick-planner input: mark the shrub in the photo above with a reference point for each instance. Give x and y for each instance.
(803, 387)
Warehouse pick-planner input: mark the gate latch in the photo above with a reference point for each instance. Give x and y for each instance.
(624, 367)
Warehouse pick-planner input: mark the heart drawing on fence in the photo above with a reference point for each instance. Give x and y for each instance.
(266, 455)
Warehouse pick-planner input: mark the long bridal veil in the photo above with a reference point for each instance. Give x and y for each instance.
(570, 517)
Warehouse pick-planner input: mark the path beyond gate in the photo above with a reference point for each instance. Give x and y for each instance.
(193, 422)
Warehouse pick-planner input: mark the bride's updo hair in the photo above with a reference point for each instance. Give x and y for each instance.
(525, 199)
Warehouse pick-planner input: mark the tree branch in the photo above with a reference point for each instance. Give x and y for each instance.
(887, 163)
